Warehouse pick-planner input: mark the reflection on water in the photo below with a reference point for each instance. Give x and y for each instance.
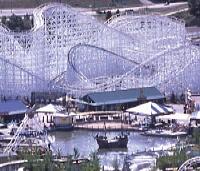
(84, 141)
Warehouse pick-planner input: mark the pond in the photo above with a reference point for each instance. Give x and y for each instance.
(85, 143)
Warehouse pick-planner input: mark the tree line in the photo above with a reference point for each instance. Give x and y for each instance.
(194, 7)
(18, 23)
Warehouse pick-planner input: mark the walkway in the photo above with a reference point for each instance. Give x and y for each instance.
(110, 126)
(157, 8)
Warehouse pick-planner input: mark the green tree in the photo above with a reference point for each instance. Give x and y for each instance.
(196, 136)
(76, 154)
(182, 98)
(194, 7)
(115, 164)
(93, 164)
(179, 156)
(173, 98)
(108, 15)
(3, 20)
(27, 22)
(45, 162)
(15, 23)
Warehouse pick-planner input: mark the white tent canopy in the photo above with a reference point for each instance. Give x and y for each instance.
(150, 109)
(50, 108)
(176, 116)
(195, 115)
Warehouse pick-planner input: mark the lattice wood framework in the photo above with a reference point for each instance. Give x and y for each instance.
(69, 51)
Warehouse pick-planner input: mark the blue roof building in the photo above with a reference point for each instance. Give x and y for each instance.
(122, 99)
(12, 110)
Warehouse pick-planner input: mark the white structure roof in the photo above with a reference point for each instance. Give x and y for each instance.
(50, 108)
(150, 109)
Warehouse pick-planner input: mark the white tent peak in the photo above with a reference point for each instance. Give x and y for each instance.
(150, 109)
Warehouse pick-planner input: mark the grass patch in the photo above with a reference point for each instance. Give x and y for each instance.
(189, 19)
(7, 4)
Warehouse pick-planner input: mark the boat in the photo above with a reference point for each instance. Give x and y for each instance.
(120, 141)
(116, 142)
(165, 133)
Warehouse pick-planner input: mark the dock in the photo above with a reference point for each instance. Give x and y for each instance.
(110, 126)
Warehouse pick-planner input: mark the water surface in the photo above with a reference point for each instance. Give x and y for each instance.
(84, 141)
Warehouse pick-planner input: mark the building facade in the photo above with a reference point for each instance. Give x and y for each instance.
(121, 100)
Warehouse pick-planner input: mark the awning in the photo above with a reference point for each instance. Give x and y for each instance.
(99, 113)
(61, 115)
(150, 109)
